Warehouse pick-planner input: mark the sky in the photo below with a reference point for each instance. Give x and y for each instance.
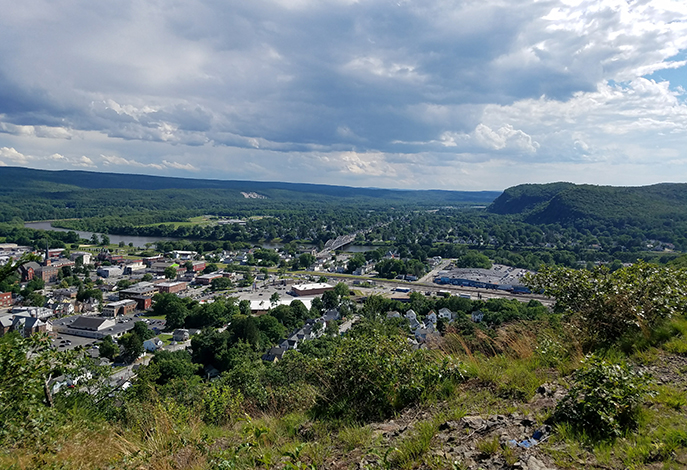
(462, 94)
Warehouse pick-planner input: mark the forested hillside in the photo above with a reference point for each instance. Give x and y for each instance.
(30, 194)
(660, 208)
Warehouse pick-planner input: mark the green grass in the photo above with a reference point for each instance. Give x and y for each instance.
(353, 437)
(165, 338)
(413, 447)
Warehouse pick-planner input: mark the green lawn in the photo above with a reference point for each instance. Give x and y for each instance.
(165, 338)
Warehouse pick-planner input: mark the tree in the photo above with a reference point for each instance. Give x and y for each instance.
(108, 348)
(306, 260)
(356, 262)
(147, 277)
(172, 307)
(170, 272)
(35, 300)
(605, 305)
(210, 268)
(274, 299)
(221, 283)
(189, 266)
(132, 346)
(341, 290)
(141, 329)
(105, 240)
(244, 307)
(330, 300)
(174, 365)
(27, 366)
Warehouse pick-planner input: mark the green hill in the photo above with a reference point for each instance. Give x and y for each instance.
(570, 204)
(75, 194)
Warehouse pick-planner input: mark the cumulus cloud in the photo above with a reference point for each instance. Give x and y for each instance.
(352, 92)
(11, 155)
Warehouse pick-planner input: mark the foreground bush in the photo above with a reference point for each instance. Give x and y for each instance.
(371, 377)
(605, 398)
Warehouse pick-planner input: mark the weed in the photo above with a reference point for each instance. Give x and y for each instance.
(355, 437)
(509, 456)
(671, 397)
(489, 446)
(646, 356)
(677, 345)
(410, 449)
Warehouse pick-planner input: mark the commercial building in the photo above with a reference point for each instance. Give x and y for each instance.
(110, 271)
(318, 288)
(92, 327)
(171, 287)
(121, 307)
(143, 302)
(84, 255)
(206, 279)
(144, 289)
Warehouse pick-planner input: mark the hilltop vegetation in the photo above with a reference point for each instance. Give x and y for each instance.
(659, 207)
(611, 395)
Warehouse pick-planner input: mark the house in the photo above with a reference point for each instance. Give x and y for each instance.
(445, 314)
(393, 314)
(152, 344)
(24, 325)
(274, 354)
(36, 312)
(180, 334)
(5, 299)
(6, 323)
(477, 316)
(412, 319)
(431, 318)
(331, 315)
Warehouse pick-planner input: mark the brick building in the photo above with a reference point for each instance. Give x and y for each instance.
(171, 287)
(121, 307)
(311, 289)
(5, 299)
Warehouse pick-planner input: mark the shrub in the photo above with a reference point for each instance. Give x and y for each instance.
(605, 398)
(373, 376)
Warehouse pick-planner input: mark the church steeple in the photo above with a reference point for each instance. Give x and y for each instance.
(47, 254)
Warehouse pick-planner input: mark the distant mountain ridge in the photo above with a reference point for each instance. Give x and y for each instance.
(568, 203)
(18, 178)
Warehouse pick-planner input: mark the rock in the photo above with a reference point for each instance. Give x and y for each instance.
(535, 464)
(450, 426)
(473, 422)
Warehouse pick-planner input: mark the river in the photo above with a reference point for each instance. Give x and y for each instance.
(140, 242)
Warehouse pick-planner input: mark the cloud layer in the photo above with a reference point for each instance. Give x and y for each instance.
(459, 94)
